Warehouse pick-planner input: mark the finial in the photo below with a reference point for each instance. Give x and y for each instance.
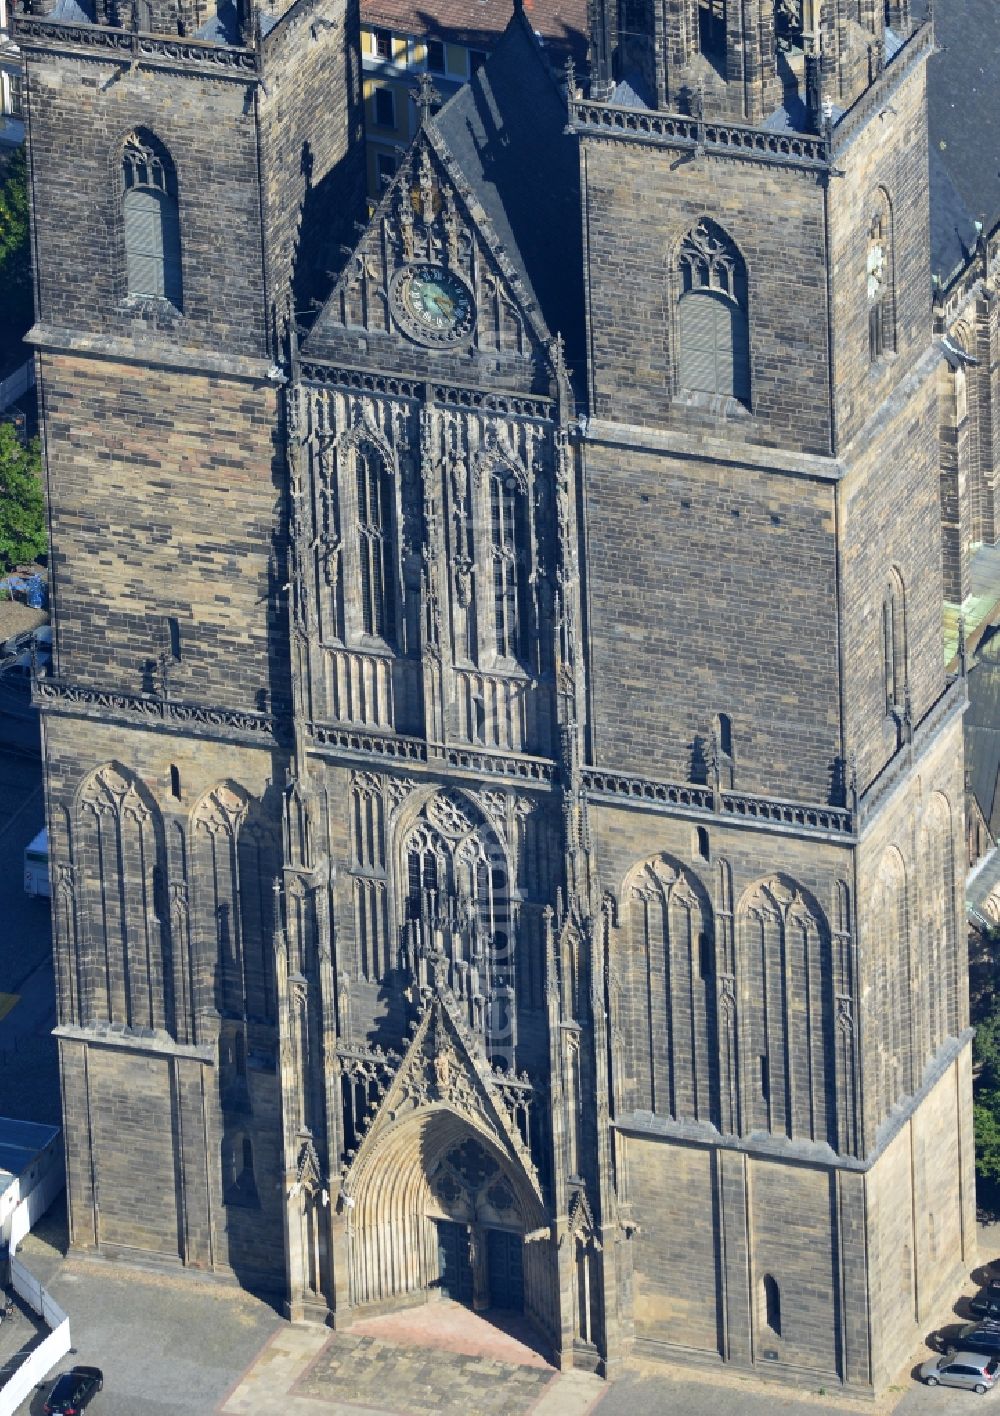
(426, 98)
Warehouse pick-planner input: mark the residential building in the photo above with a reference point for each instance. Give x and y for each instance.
(449, 40)
(11, 83)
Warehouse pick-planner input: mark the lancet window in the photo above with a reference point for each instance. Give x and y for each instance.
(376, 545)
(879, 273)
(151, 220)
(508, 550)
(713, 326)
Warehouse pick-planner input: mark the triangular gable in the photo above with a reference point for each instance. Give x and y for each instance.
(444, 1067)
(429, 217)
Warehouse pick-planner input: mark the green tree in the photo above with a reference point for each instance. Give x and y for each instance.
(986, 1113)
(16, 308)
(22, 506)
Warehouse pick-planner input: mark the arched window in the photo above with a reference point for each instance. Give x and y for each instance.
(894, 667)
(879, 272)
(375, 543)
(772, 1303)
(152, 226)
(508, 535)
(713, 327)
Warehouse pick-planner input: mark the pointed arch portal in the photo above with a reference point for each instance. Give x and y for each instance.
(441, 1197)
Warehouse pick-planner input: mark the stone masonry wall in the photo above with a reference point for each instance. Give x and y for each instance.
(81, 110)
(152, 517)
(775, 217)
(889, 517)
(312, 147)
(711, 589)
(886, 155)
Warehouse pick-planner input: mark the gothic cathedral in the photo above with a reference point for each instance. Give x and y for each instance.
(504, 791)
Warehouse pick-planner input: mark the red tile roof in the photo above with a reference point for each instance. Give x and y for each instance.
(478, 23)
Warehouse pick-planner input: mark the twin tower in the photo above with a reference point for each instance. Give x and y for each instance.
(504, 791)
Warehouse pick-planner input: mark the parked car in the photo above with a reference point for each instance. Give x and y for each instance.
(983, 1336)
(73, 1391)
(986, 1303)
(974, 1370)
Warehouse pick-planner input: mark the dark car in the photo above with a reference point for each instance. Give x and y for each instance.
(73, 1391)
(986, 1303)
(983, 1336)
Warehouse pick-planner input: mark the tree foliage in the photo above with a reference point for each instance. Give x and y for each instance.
(16, 307)
(986, 1112)
(22, 505)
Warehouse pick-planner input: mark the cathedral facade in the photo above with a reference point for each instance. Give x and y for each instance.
(504, 791)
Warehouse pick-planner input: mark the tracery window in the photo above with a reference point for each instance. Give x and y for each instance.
(151, 220)
(713, 325)
(508, 550)
(376, 547)
(457, 899)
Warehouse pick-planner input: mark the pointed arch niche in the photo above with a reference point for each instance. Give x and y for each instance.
(787, 1012)
(670, 1000)
(121, 853)
(234, 860)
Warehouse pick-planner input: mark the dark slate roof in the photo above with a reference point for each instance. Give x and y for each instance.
(963, 82)
(562, 24)
(506, 131)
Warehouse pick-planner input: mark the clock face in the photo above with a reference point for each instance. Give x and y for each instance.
(433, 304)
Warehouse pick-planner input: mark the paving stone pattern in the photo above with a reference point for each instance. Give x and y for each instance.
(410, 1380)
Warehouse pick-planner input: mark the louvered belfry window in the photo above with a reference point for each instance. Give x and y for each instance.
(152, 225)
(713, 328)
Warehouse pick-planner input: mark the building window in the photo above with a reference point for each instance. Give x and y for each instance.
(375, 543)
(151, 222)
(879, 273)
(382, 43)
(507, 550)
(477, 58)
(894, 665)
(385, 170)
(435, 56)
(385, 108)
(700, 843)
(175, 781)
(713, 326)
(16, 105)
(772, 1304)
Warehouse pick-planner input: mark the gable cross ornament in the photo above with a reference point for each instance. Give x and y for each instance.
(427, 98)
